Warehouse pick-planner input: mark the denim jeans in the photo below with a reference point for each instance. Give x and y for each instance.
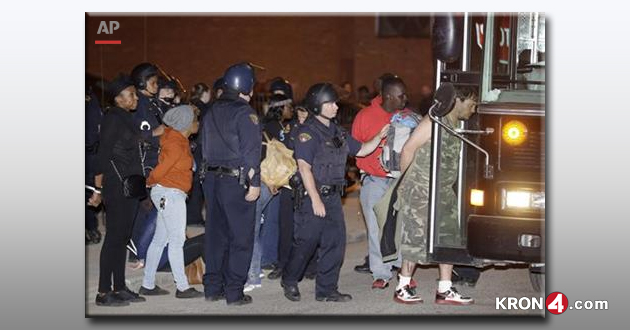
(170, 229)
(372, 191)
(261, 204)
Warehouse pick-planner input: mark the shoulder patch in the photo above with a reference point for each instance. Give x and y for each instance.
(254, 118)
(304, 137)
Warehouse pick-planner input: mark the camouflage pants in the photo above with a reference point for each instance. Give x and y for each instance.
(413, 213)
(413, 210)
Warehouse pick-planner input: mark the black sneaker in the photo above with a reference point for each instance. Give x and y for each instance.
(452, 297)
(128, 295)
(110, 299)
(245, 299)
(335, 296)
(188, 293)
(275, 274)
(157, 291)
(365, 268)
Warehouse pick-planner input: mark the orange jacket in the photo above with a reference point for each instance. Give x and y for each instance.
(174, 168)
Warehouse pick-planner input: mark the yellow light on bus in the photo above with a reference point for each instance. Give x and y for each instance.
(476, 197)
(514, 132)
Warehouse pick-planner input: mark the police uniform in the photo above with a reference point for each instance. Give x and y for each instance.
(148, 117)
(231, 146)
(326, 150)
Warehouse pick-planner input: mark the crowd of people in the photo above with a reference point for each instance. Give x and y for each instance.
(202, 155)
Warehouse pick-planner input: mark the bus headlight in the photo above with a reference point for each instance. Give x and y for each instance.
(514, 132)
(522, 199)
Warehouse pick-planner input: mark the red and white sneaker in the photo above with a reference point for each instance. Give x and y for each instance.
(407, 295)
(452, 297)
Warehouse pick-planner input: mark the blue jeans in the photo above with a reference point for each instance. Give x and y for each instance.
(372, 191)
(270, 234)
(254, 267)
(170, 229)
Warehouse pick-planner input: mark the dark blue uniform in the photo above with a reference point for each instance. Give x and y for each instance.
(147, 117)
(231, 145)
(326, 150)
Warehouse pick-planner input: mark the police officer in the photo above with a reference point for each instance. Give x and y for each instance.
(231, 148)
(321, 151)
(148, 116)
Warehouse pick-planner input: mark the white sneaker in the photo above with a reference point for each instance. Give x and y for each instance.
(250, 287)
(407, 295)
(452, 297)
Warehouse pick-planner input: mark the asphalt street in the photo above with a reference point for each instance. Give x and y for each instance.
(269, 299)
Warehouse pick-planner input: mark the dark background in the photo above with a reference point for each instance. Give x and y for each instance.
(303, 49)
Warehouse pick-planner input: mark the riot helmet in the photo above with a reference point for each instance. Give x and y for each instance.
(240, 78)
(141, 73)
(319, 94)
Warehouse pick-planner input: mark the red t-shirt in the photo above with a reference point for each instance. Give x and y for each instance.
(369, 121)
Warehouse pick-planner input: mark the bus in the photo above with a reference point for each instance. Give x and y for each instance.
(501, 178)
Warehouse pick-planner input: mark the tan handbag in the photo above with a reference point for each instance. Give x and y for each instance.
(279, 165)
(194, 271)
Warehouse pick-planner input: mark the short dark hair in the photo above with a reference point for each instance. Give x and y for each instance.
(389, 83)
(465, 92)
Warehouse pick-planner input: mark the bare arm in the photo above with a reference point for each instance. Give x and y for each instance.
(368, 147)
(418, 138)
(309, 184)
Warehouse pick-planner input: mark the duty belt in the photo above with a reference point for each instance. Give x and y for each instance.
(224, 170)
(327, 190)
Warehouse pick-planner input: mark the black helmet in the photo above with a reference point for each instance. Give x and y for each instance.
(141, 73)
(218, 84)
(281, 86)
(240, 78)
(319, 94)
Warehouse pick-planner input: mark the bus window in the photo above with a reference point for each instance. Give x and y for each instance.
(517, 54)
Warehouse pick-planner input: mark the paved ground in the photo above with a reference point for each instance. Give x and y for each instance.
(269, 300)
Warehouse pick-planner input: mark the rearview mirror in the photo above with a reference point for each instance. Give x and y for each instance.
(446, 37)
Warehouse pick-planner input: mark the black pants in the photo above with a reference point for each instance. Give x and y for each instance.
(120, 214)
(286, 232)
(325, 237)
(229, 238)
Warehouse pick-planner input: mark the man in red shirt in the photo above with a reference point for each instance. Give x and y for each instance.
(367, 123)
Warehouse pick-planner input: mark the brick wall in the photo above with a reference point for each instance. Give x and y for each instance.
(303, 49)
